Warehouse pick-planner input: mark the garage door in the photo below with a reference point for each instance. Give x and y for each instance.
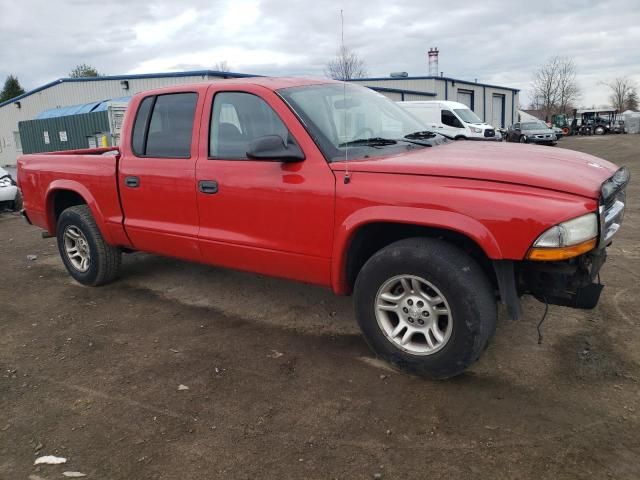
(466, 97)
(497, 111)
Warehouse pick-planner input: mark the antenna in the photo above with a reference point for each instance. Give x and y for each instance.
(347, 178)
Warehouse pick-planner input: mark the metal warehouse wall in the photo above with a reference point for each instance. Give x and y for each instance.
(76, 127)
(447, 89)
(67, 93)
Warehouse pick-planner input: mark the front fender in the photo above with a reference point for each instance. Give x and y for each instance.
(442, 219)
(76, 187)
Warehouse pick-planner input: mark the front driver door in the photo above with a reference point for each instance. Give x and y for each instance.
(264, 216)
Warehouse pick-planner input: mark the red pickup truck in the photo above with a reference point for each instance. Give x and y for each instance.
(333, 184)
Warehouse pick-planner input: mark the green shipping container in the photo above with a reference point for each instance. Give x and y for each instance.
(71, 132)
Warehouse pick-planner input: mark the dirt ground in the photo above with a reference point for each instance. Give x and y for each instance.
(281, 385)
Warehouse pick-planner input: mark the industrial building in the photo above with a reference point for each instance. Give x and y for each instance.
(67, 92)
(493, 104)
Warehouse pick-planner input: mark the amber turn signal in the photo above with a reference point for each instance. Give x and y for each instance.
(547, 254)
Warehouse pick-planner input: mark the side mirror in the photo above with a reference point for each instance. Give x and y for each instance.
(272, 147)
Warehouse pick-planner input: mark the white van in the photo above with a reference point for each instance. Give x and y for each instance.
(452, 119)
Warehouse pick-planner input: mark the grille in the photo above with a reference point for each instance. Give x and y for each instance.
(613, 214)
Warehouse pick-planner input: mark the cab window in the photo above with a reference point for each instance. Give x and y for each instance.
(238, 118)
(449, 119)
(164, 125)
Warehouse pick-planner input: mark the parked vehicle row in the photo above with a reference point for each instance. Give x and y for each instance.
(335, 185)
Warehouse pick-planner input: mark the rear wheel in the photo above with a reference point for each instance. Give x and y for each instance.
(425, 306)
(86, 256)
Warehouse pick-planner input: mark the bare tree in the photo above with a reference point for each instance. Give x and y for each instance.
(554, 86)
(346, 65)
(568, 90)
(623, 94)
(221, 66)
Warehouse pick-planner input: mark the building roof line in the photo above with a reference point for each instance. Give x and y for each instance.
(432, 77)
(194, 73)
(402, 90)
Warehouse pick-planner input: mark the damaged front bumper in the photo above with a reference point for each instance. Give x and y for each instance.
(574, 282)
(571, 283)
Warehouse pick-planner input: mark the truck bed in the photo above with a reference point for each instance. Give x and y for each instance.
(93, 173)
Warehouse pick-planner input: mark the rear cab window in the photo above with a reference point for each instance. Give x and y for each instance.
(164, 125)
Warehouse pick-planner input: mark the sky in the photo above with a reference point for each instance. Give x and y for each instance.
(494, 42)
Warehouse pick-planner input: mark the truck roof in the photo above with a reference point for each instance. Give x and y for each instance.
(272, 83)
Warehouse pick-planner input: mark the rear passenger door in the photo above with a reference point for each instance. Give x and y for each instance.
(157, 180)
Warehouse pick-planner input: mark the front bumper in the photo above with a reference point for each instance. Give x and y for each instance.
(574, 282)
(571, 283)
(541, 139)
(8, 194)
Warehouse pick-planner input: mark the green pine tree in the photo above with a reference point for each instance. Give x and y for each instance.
(11, 89)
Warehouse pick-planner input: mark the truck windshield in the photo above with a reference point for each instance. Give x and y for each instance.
(467, 115)
(352, 122)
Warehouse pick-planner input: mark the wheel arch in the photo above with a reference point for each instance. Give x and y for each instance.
(365, 233)
(63, 194)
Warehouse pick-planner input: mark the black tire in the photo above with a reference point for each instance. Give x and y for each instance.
(459, 278)
(104, 263)
(16, 205)
(599, 130)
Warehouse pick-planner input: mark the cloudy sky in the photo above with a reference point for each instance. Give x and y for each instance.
(495, 42)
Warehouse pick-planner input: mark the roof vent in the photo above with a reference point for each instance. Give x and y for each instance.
(399, 74)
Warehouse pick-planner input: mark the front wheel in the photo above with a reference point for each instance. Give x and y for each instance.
(425, 306)
(599, 130)
(85, 254)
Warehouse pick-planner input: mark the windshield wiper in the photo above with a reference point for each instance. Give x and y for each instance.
(421, 135)
(373, 142)
(426, 135)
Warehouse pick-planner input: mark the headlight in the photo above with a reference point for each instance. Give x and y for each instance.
(5, 182)
(566, 240)
(476, 129)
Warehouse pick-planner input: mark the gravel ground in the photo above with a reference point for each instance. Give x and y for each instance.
(281, 385)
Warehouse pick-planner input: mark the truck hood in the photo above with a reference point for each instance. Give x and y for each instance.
(536, 166)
